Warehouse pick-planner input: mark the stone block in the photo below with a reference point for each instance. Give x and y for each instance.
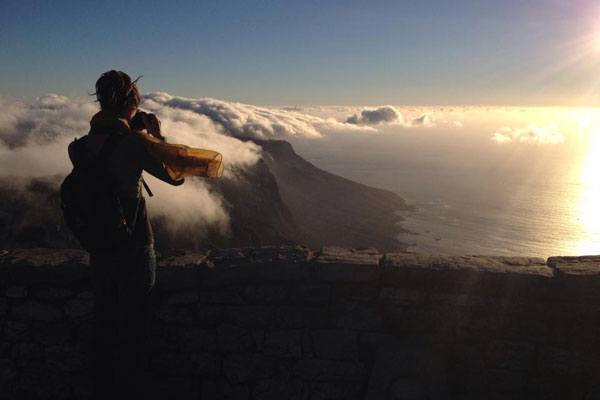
(16, 291)
(8, 379)
(8, 371)
(567, 364)
(404, 368)
(301, 317)
(27, 351)
(233, 339)
(189, 364)
(580, 277)
(258, 334)
(78, 308)
(86, 295)
(256, 265)
(245, 368)
(401, 296)
(249, 315)
(52, 293)
(329, 370)
(56, 267)
(66, 358)
(506, 383)
(183, 258)
(457, 299)
(183, 315)
(16, 331)
(160, 387)
(513, 356)
(223, 390)
(51, 333)
(266, 294)
(357, 316)
(208, 314)
(199, 340)
(335, 391)
(83, 331)
(366, 292)
(5, 349)
(408, 388)
(176, 278)
(310, 294)
(508, 277)
(43, 383)
(184, 297)
(184, 339)
(369, 343)
(284, 344)
(37, 311)
(229, 296)
(38, 257)
(341, 264)
(335, 344)
(276, 389)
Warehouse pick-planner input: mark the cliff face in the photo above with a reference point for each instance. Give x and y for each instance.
(332, 209)
(290, 323)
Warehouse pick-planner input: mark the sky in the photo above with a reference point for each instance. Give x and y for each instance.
(536, 52)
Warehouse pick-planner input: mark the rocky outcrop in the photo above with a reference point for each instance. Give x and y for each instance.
(290, 323)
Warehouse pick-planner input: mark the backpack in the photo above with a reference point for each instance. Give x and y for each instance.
(91, 207)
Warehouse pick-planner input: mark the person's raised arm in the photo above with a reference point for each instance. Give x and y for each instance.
(156, 168)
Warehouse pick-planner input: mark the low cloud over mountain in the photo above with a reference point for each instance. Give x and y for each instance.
(248, 121)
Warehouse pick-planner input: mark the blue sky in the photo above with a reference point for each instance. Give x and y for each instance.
(537, 52)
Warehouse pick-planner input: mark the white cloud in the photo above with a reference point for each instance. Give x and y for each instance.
(424, 119)
(388, 115)
(532, 134)
(376, 116)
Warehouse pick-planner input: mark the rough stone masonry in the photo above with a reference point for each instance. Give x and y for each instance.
(289, 323)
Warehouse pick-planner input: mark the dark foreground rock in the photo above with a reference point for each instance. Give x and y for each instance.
(291, 323)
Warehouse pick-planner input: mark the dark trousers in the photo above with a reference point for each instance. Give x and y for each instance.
(122, 285)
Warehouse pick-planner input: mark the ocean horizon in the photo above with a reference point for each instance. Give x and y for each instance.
(478, 196)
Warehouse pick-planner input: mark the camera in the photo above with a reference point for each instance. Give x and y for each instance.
(137, 122)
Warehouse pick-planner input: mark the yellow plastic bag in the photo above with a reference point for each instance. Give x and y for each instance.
(182, 161)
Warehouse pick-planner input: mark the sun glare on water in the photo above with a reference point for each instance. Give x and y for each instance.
(589, 203)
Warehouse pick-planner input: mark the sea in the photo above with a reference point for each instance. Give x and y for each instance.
(535, 192)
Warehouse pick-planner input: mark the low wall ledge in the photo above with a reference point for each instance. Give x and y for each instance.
(331, 262)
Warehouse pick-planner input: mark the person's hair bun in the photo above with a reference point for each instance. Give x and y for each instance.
(115, 91)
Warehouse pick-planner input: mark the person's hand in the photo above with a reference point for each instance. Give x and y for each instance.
(152, 125)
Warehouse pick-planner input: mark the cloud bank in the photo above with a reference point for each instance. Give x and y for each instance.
(34, 136)
(532, 134)
(246, 121)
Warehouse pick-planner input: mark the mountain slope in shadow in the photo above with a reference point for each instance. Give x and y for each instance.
(331, 209)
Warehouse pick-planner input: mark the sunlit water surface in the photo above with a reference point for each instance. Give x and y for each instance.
(476, 196)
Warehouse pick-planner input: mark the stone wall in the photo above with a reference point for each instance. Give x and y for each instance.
(287, 323)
